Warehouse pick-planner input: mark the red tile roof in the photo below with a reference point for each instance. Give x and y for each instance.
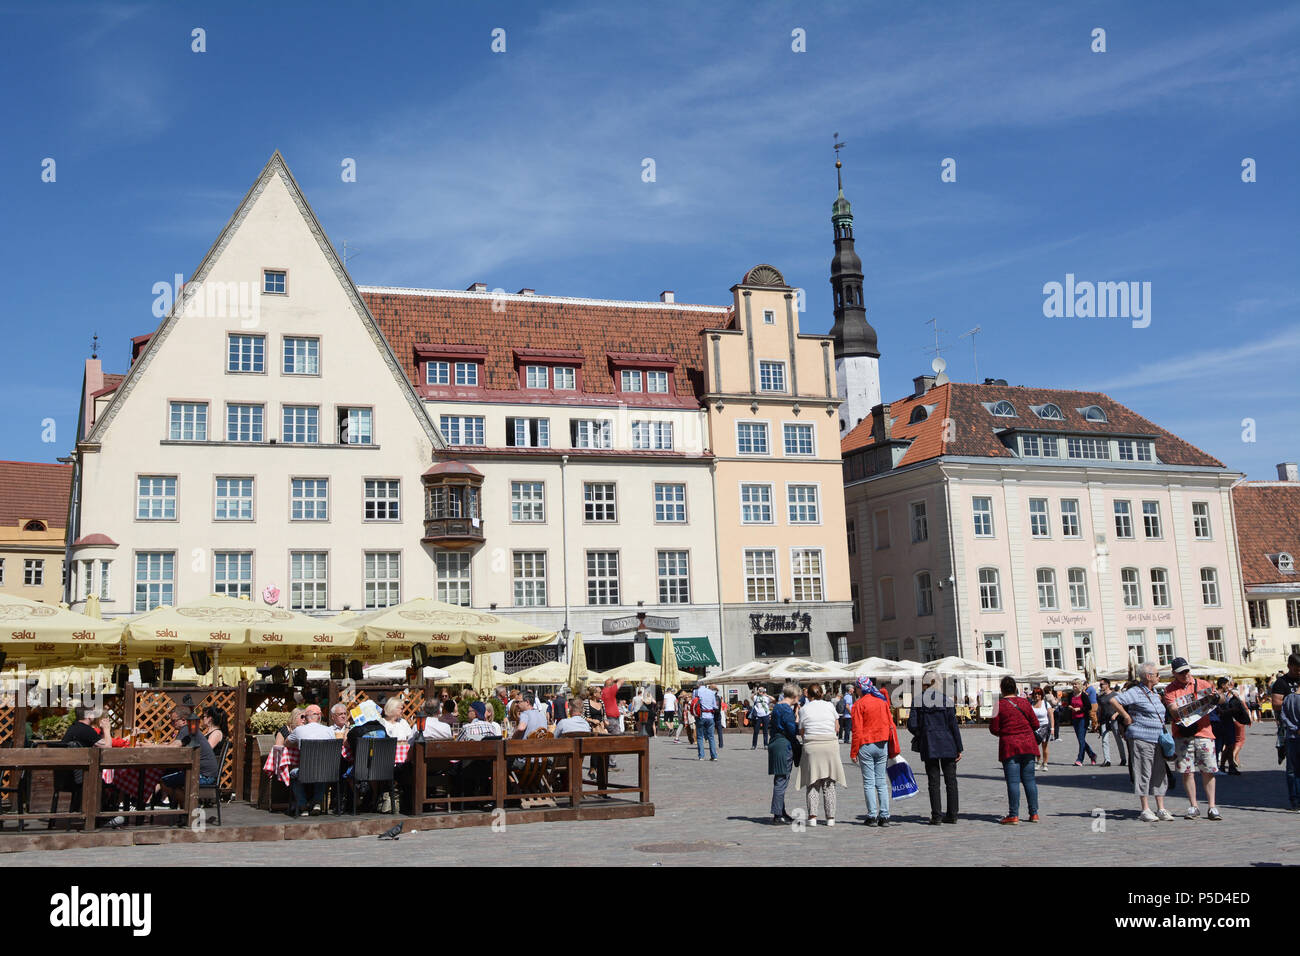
(1268, 523)
(975, 431)
(111, 383)
(595, 328)
(30, 489)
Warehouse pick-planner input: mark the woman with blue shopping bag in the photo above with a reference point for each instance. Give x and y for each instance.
(874, 744)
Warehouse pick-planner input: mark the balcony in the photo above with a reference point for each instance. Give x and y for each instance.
(452, 514)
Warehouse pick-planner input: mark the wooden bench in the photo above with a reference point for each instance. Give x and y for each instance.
(601, 747)
(138, 758)
(28, 760)
(439, 754)
(541, 778)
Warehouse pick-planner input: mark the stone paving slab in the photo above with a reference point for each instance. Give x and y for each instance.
(716, 814)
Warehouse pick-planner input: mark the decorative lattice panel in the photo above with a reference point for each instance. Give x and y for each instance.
(153, 717)
(115, 706)
(412, 698)
(227, 700)
(8, 727)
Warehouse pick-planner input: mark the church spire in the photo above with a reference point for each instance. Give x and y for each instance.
(852, 334)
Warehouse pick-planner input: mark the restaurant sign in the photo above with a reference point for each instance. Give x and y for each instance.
(621, 625)
(780, 622)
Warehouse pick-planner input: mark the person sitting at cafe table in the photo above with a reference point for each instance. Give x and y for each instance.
(340, 720)
(213, 724)
(434, 727)
(394, 723)
(84, 734)
(479, 727)
(172, 785)
(474, 775)
(311, 729)
(575, 723)
(531, 718)
(297, 717)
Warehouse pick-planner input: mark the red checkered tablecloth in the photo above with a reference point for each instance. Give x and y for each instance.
(127, 782)
(289, 759)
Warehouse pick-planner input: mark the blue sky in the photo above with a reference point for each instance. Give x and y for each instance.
(524, 169)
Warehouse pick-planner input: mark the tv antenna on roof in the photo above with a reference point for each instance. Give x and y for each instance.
(348, 255)
(936, 348)
(972, 333)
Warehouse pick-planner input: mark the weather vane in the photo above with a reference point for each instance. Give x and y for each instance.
(839, 145)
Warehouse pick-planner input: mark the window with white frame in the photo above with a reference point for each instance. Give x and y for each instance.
(453, 577)
(1050, 412)
(755, 504)
(760, 575)
(806, 574)
(1052, 649)
(1039, 523)
(528, 569)
(1165, 652)
(1123, 520)
(652, 435)
(602, 577)
(1160, 588)
(924, 595)
(1209, 587)
(990, 590)
(1258, 611)
(234, 499)
(1151, 519)
(769, 317)
(994, 650)
(462, 429)
(467, 373)
(105, 579)
(1214, 644)
(155, 498)
(528, 432)
(670, 502)
(1088, 448)
(599, 501)
(245, 353)
(920, 522)
(232, 573)
(527, 501)
(801, 502)
(674, 578)
(537, 376)
(1038, 446)
(982, 511)
(356, 426)
(1134, 450)
(591, 433)
(564, 377)
(244, 423)
(34, 572)
(273, 281)
(630, 380)
(1137, 644)
(1077, 579)
(301, 425)
(1082, 645)
(86, 575)
(309, 499)
(308, 580)
(751, 438)
(887, 609)
(1130, 588)
(189, 421)
(383, 579)
(799, 438)
(437, 373)
(771, 376)
(1070, 527)
(880, 529)
(1201, 520)
(155, 579)
(383, 497)
(1292, 611)
(301, 355)
(656, 382)
(1047, 590)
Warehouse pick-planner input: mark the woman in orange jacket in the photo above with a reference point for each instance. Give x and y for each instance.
(874, 744)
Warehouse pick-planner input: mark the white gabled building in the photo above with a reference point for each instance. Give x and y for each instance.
(265, 437)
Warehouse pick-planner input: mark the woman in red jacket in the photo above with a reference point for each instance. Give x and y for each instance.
(1016, 726)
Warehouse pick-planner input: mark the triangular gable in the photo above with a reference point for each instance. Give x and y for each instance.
(276, 166)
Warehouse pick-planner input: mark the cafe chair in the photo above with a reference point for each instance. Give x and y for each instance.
(375, 763)
(69, 782)
(19, 791)
(214, 792)
(318, 763)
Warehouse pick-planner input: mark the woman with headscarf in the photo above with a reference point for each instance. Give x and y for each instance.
(820, 769)
(874, 744)
(780, 750)
(934, 728)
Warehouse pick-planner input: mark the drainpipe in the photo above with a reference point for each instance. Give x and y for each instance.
(564, 547)
(952, 558)
(717, 566)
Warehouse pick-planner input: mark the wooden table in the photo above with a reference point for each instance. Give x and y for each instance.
(425, 752)
(26, 760)
(131, 758)
(603, 746)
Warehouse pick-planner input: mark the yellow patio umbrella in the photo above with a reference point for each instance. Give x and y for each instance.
(1207, 668)
(669, 675)
(1265, 665)
(551, 672)
(578, 673)
(34, 632)
(445, 629)
(93, 609)
(483, 682)
(643, 672)
(461, 674)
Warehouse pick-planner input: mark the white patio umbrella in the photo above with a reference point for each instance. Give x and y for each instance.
(1049, 675)
(756, 671)
(961, 667)
(396, 670)
(796, 669)
(884, 668)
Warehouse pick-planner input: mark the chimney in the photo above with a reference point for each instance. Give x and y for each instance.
(526, 292)
(881, 426)
(922, 384)
(995, 381)
(667, 296)
(93, 382)
(477, 287)
(1288, 471)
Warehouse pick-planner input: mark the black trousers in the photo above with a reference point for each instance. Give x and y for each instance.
(948, 767)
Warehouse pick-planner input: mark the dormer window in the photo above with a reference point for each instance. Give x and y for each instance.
(1004, 409)
(1286, 563)
(656, 382)
(34, 526)
(565, 378)
(467, 373)
(437, 373)
(1093, 414)
(631, 380)
(919, 414)
(537, 376)
(1050, 412)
